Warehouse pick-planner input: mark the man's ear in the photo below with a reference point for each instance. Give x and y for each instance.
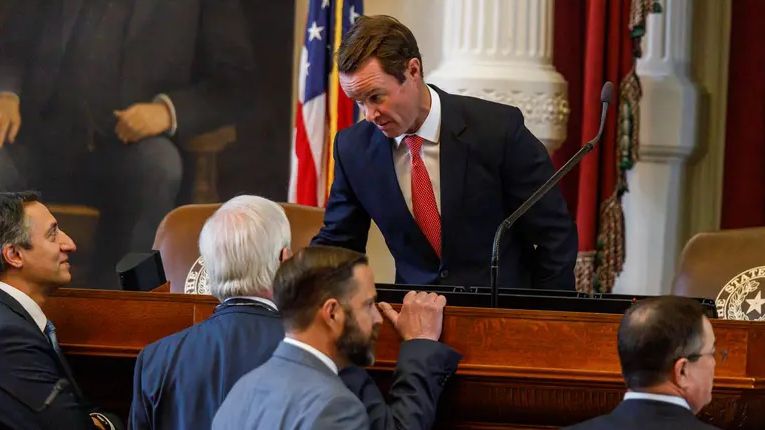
(285, 255)
(680, 372)
(11, 256)
(332, 314)
(414, 68)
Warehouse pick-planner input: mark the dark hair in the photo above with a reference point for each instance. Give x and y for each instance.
(382, 37)
(13, 228)
(315, 274)
(654, 334)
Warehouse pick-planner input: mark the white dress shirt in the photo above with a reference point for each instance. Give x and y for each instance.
(318, 354)
(263, 300)
(29, 305)
(430, 131)
(675, 400)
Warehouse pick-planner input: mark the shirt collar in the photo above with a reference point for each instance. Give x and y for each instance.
(675, 400)
(318, 354)
(263, 300)
(29, 305)
(430, 129)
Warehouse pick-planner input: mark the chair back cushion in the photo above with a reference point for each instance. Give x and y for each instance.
(728, 266)
(177, 240)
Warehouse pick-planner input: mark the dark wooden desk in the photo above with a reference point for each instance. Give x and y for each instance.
(521, 369)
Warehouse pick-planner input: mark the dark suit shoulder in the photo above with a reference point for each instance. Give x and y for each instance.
(477, 111)
(218, 325)
(641, 414)
(357, 136)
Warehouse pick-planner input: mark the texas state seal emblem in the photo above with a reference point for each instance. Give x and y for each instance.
(741, 298)
(196, 280)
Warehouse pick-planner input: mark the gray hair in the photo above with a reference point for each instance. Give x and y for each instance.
(14, 226)
(241, 244)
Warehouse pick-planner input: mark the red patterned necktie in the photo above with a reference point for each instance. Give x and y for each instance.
(423, 200)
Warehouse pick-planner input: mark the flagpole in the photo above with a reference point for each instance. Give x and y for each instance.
(333, 88)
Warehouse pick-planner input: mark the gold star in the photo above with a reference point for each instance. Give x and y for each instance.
(756, 302)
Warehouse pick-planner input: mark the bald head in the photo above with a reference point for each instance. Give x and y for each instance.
(654, 333)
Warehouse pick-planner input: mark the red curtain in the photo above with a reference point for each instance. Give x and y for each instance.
(744, 175)
(607, 52)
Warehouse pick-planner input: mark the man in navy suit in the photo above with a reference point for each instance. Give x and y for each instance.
(37, 387)
(667, 352)
(438, 173)
(181, 380)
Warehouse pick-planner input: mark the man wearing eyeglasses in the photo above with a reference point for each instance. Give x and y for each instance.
(667, 353)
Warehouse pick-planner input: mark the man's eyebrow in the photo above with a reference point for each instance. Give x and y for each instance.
(361, 97)
(53, 227)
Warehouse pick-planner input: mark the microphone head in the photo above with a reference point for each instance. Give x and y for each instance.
(606, 94)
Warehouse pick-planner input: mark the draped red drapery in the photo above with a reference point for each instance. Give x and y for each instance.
(743, 202)
(609, 31)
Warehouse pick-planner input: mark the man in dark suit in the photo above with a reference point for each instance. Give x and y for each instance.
(327, 296)
(37, 388)
(105, 89)
(181, 380)
(438, 173)
(667, 352)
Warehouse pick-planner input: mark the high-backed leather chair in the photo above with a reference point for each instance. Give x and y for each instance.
(177, 237)
(177, 240)
(710, 260)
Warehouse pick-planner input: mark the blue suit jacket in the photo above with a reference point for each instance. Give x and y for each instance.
(181, 380)
(422, 371)
(637, 414)
(29, 369)
(490, 163)
(293, 390)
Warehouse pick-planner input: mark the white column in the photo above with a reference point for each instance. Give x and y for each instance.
(669, 116)
(501, 50)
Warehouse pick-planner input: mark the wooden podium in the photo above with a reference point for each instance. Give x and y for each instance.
(521, 369)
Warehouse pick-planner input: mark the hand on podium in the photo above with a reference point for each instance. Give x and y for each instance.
(421, 315)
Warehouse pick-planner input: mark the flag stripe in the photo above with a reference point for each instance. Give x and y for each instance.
(322, 109)
(306, 173)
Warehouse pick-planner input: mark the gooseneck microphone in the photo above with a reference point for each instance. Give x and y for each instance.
(605, 99)
(60, 385)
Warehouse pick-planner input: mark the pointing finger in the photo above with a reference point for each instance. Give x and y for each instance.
(389, 312)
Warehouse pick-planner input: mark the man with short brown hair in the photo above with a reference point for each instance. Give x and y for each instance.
(438, 173)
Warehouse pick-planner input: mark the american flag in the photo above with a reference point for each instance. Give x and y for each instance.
(322, 107)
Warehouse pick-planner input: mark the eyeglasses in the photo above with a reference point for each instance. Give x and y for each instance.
(720, 356)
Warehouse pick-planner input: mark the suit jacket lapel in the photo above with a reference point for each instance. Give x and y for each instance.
(16, 307)
(380, 161)
(453, 165)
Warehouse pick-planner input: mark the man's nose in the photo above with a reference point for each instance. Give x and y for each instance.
(67, 244)
(370, 114)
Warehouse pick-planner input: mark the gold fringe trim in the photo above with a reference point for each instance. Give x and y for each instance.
(608, 259)
(584, 271)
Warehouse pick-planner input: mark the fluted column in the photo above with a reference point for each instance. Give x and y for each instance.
(669, 120)
(501, 50)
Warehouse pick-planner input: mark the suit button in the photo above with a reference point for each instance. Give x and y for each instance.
(444, 273)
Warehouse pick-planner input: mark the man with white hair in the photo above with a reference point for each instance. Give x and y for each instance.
(181, 380)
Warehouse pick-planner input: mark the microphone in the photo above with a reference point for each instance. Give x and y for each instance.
(606, 95)
(60, 385)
